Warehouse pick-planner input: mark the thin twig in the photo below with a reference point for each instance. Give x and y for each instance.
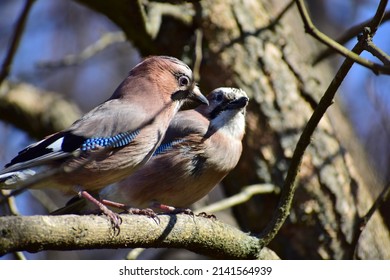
(20, 256)
(351, 33)
(313, 31)
(12, 208)
(290, 183)
(378, 17)
(44, 199)
(102, 43)
(276, 19)
(134, 253)
(15, 40)
(244, 195)
(362, 222)
(198, 54)
(379, 53)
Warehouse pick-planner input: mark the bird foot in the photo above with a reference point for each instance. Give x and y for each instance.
(130, 210)
(114, 218)
(146, 211)
(205, 215)
(172, 210)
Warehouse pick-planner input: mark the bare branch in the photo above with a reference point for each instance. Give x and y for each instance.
(201, 235)
(198, 54)
(313, 31)
(362, 222)
(326, 101)
(50, 113)
(351, 33)
(378, 17)
(379, 53)
(290, 185)
(152, 19)
(104, 41)
(276, 19)
(20, 24)
(239, 198)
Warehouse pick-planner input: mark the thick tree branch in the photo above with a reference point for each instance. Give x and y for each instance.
(201, 235)
(37, 112)
(151, 32)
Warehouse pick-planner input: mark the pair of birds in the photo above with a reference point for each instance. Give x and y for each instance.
(163, 158)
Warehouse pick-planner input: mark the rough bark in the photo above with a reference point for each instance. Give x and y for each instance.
(271, 66)
(201, 235)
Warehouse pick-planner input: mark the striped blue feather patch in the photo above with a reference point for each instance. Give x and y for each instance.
(119, 140)
(165, 147)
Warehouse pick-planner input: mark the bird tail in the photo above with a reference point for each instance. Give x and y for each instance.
(11, 180)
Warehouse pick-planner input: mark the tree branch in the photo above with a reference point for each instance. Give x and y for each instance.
(351, 33)
(247, 193)
(290, 183)
(201, 235)
(143, 28)
(313, 31)
(361, 224)
(20, 24)
(50, 112)
(106, 40)
(326, 101)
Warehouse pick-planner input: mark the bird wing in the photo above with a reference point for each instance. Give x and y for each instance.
(184, 124)
(111, 124)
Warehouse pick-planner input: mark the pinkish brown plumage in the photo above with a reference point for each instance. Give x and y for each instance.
(200, 148)
(117, 136)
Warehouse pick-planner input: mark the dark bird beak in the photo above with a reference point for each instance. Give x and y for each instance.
(237, 103)
(197, 96)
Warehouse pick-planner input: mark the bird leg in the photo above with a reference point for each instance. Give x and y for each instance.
(136, 211)
(115, 219)
(171, 209)
(174, 210)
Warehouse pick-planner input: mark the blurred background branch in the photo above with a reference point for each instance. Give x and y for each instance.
(14, 44)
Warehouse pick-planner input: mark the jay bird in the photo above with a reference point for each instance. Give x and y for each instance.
(111, 141)
(200, 148)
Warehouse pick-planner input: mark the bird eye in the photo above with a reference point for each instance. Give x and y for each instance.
(218, 98)
(184, 81)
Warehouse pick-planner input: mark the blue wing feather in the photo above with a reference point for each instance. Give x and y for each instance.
(61, 145)
(163, 148)
(117, 141)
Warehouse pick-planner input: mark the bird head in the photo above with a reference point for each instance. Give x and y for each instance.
(168, 75)
(226, 110)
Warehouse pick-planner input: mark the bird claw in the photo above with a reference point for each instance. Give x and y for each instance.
(185, 211)
(146, 211)
(205, 215)
(115, 220)
(172, 210)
